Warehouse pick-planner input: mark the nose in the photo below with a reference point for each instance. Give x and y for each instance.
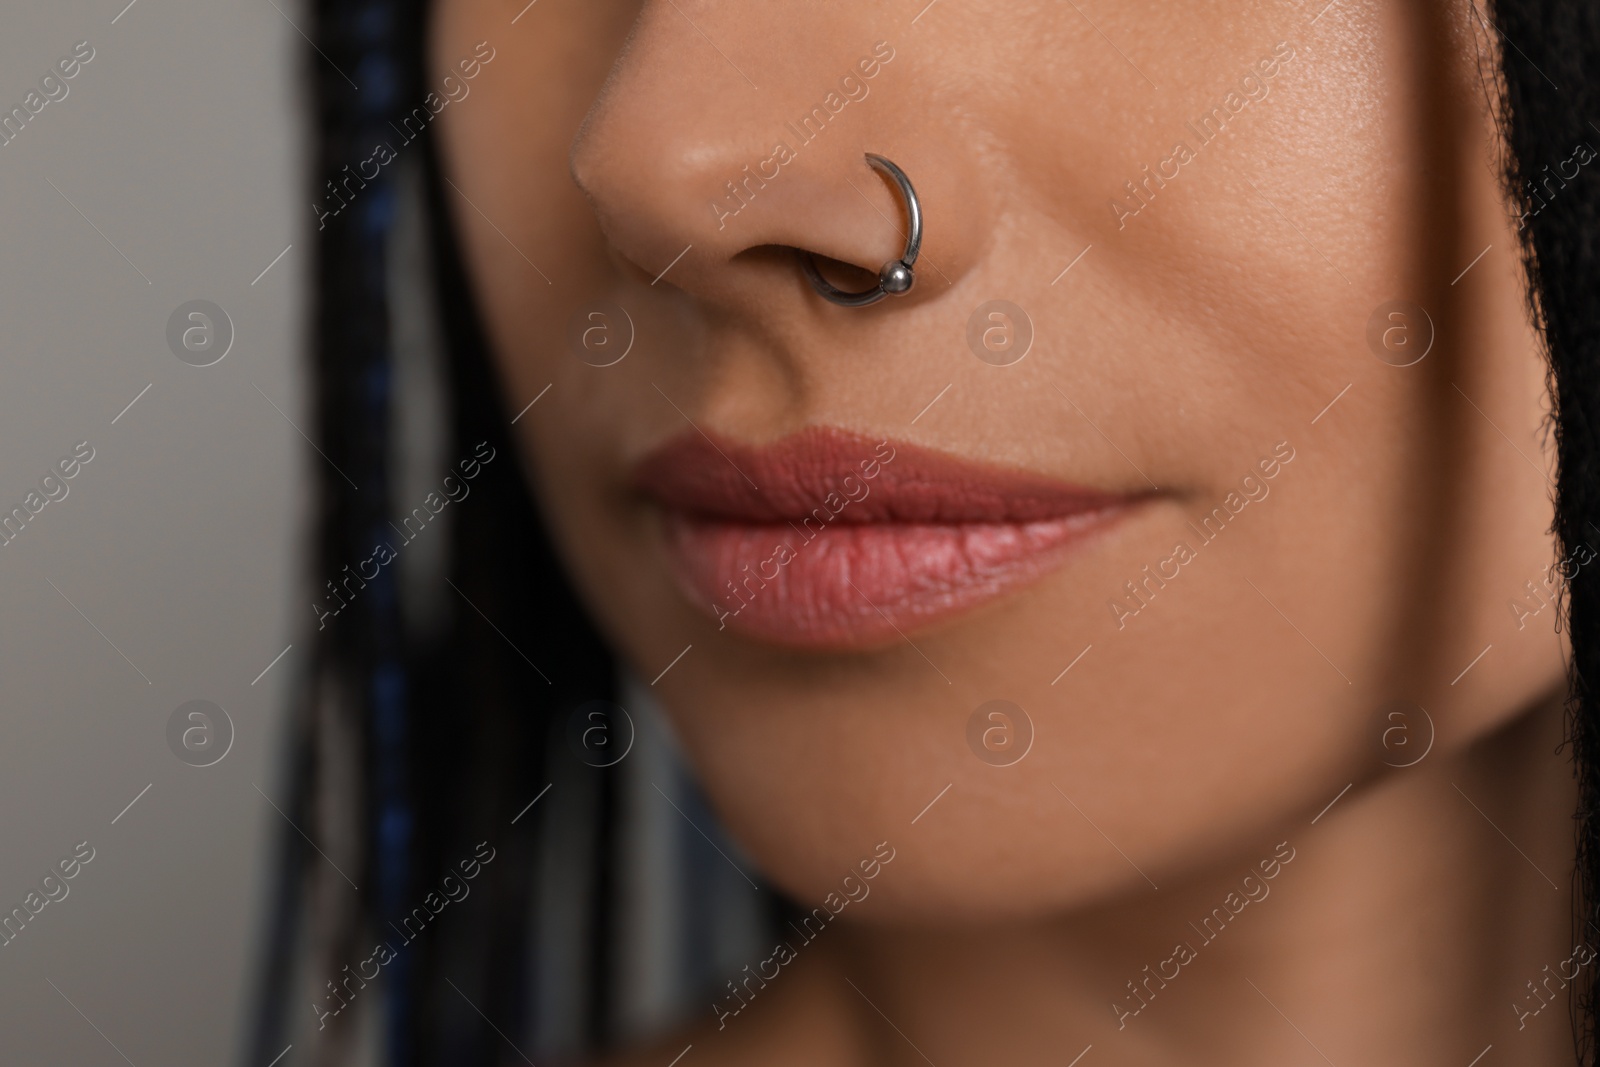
(730, 134)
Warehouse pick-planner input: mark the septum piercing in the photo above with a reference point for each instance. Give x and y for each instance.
(896, 277)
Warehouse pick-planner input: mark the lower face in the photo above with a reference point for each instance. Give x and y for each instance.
(1193, 536)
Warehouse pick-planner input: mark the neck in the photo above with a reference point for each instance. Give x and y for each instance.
(1407, 928)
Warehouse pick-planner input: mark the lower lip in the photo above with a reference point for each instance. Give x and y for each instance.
(861, 585)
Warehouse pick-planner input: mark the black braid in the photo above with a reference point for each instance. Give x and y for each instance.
(452, 730)
(1550, 65)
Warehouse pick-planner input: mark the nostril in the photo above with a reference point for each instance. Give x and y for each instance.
(896, 276)
(840, 273)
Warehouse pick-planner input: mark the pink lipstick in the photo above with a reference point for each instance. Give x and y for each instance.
(829, 539)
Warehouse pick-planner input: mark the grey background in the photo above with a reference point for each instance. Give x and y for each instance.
(180, 141)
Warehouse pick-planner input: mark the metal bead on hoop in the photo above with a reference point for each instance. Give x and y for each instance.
(896, 276)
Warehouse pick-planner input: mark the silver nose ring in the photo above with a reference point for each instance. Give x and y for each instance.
(896, 277)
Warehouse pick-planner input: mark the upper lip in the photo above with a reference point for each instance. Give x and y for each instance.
(719, 479)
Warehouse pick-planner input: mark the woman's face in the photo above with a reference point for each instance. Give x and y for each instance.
(1205, 536)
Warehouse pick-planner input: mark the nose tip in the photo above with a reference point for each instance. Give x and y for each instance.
(695, 172)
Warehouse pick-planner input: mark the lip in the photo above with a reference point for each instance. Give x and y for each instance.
(831, 539)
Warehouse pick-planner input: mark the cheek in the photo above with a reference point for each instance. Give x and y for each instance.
(543, 249)
(542, 261)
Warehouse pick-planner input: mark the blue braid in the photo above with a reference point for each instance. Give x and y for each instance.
(367, 30)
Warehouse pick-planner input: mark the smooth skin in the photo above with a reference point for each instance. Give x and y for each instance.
(1192, 338)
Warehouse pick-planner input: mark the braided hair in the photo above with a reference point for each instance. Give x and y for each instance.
(425, 786)
(434, 736)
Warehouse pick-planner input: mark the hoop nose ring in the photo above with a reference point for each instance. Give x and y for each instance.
(896, 277)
